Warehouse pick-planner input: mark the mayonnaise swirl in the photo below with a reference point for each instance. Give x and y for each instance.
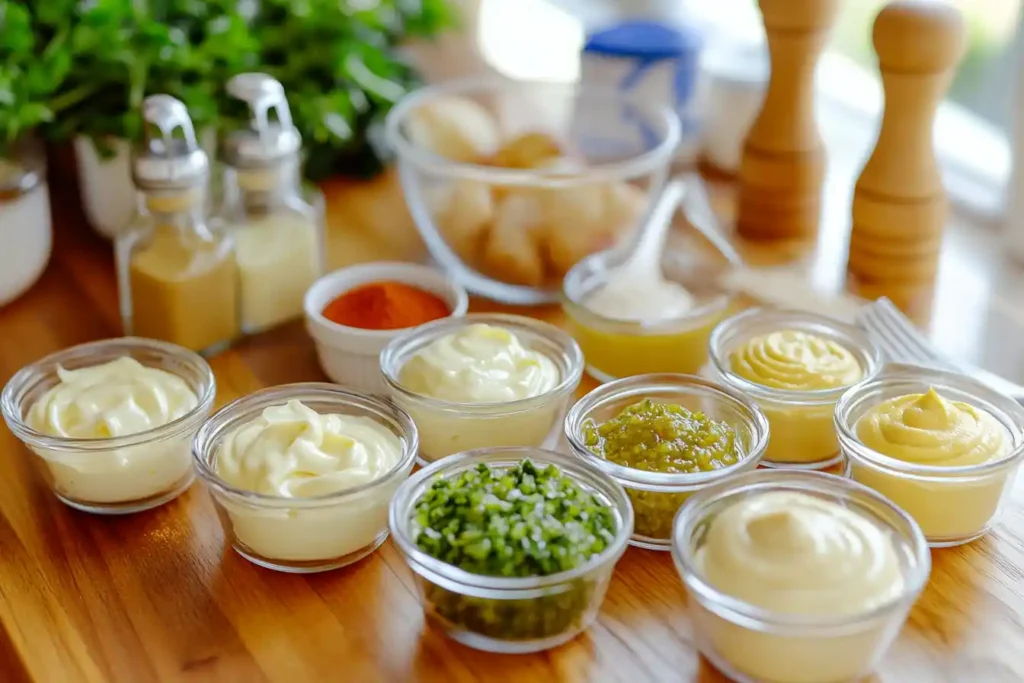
(292, 451)
(796, 361)
(118, 398)
(479, 364)
(795, 553)
(928, 429)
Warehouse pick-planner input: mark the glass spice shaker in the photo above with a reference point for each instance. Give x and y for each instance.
(279, 236)
(177, 275)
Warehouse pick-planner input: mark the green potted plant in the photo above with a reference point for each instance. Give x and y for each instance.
(124, 51)
(34, 61)
(340, 83)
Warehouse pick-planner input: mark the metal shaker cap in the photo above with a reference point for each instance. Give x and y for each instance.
(167, 161)
(266, 142)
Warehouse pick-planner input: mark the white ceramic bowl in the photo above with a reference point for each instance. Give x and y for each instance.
(349, 355)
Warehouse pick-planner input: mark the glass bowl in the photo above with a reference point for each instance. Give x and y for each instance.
(446, 427)
(509, 226)
(803, 436)
(752, 644)
(311, 534)
(510, 614)
(116, 475)
(621, 348)
(656, 496)
(953, 505)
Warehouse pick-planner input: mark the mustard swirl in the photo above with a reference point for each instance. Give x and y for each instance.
(795, 553)
(928, 429)
(796, 361)
(479, 364)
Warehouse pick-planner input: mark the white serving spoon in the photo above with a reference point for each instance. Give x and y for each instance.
(637, 290)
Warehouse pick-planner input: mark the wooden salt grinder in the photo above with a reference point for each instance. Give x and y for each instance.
(783, 160)
(899, 204)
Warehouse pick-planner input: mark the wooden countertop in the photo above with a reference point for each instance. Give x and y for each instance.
(158, 597)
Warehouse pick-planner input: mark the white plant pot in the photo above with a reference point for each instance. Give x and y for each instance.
(108, 195)
(26, 233)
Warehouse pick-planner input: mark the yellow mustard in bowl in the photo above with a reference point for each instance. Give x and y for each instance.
(928, 429)
(797, 375)
(796, 361)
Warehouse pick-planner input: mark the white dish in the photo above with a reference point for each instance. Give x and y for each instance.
(349, 355)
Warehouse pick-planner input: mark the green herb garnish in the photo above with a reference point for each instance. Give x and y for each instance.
(521, 521)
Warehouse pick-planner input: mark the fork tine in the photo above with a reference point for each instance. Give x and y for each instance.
(902, 326)
(890, 347)
(897, 338)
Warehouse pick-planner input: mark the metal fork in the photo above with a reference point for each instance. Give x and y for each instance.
(900, 342)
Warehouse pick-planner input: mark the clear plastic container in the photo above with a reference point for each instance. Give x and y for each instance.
(118, 475)
(620, 348)
(510, 614)
(304, 535)
(802, 433)
(657, 496)
(751, 644)
(953, 505)
(446, 427)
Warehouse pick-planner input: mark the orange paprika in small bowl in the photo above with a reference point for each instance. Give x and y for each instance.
(353, 313)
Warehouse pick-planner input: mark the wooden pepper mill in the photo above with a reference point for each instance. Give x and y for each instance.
(783, 161)
(899, 204)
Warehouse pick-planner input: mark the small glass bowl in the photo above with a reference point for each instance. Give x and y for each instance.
(622, 348)
(446, 427)
(657, 496)
(751, 644)
(511, 615)
(304, 535)
(803, 436)
(953, 505)
(118, 475)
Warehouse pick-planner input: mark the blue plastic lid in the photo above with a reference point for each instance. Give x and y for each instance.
(644, 39)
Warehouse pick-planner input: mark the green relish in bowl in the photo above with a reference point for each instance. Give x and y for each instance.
(666, 438)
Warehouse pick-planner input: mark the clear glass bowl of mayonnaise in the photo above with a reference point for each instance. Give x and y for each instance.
(505, 391)
(616, 347)
(795, 366)
(112, 421)
(942, 446)
(797, 577)
(515, 614)
(657, 496)
(302, 474)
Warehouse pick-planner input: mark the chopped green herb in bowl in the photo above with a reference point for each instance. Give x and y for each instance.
(514, 547)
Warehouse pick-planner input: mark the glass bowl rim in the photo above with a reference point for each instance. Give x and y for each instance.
(435, 570)
(570, 349)
(635, 166)
(10, 403)
(679, 384)
(853, 339)
(217, 425)
(574, 303)
(743, 485)
(1008, 412)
